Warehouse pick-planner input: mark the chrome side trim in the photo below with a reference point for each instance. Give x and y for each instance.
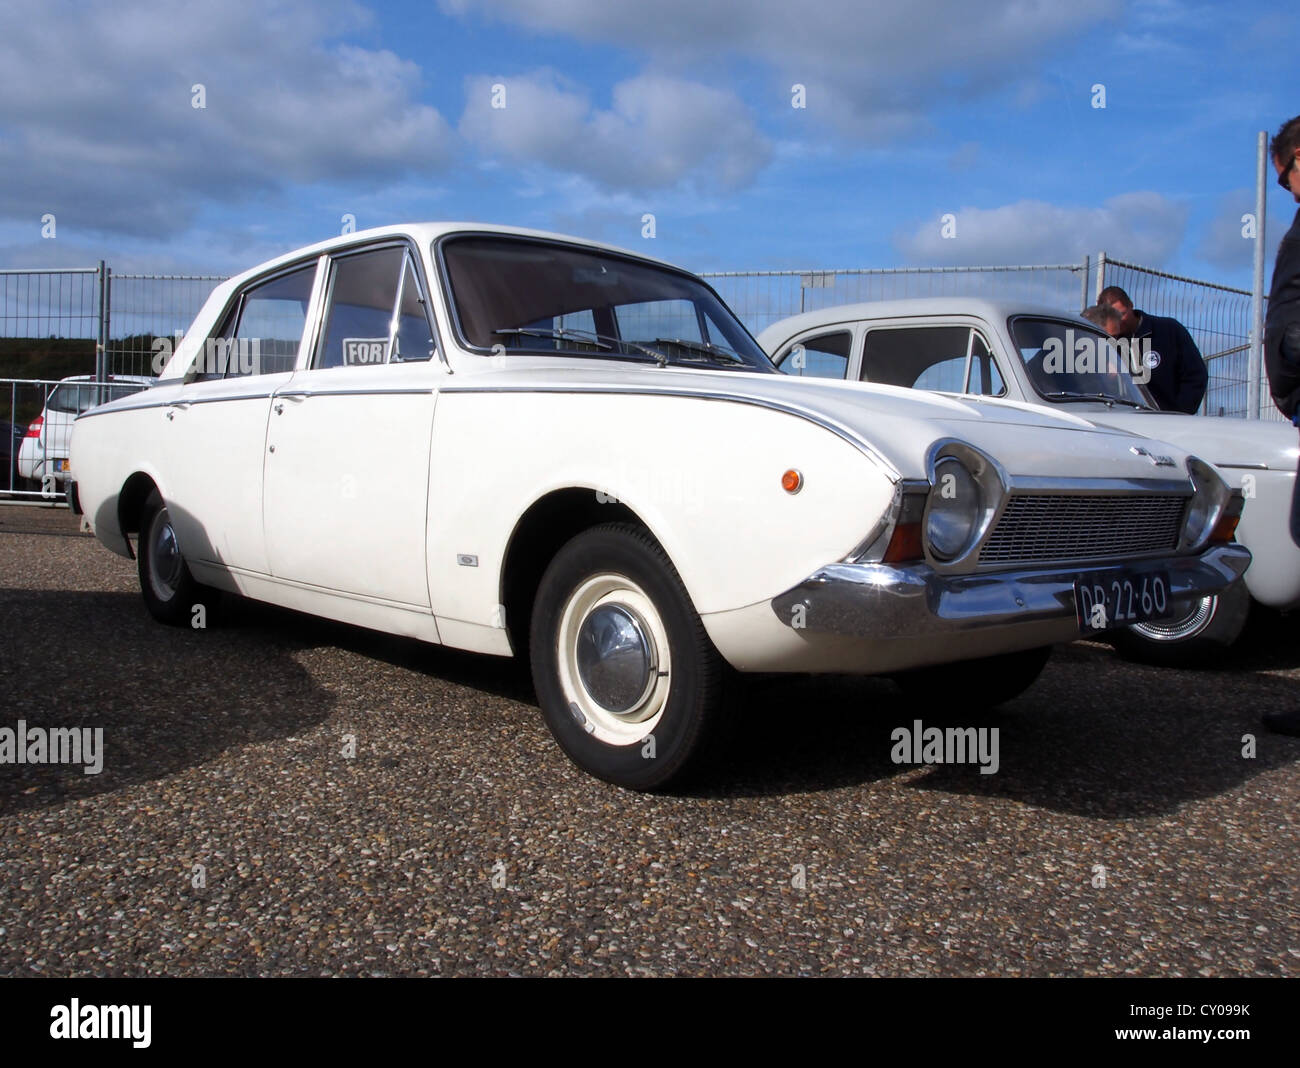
(422, 391)
(838, 429)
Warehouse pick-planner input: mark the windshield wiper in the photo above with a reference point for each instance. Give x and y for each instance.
(602, 341)
(704, 347)
(561, 334)
(1104, 397)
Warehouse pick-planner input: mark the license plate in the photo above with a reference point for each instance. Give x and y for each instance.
(1121, 600)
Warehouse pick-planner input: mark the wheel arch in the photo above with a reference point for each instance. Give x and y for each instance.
(545, 526)
(130, 505)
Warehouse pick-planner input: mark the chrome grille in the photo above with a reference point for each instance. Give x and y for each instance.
(1078, 527)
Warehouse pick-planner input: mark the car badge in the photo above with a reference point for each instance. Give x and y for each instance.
(1157, 461)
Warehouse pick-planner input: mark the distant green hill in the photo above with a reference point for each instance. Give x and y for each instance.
(46, 357)
(60, 357)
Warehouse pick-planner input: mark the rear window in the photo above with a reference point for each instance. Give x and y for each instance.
(76, 397)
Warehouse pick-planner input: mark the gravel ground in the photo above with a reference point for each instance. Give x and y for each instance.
(228, 834)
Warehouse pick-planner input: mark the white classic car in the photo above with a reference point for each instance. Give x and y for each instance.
(519, 443)
(1023, 355)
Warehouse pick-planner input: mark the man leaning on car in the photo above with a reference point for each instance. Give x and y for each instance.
(1178, 375)
(1282, 336)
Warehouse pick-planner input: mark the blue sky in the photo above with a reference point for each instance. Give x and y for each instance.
(319, 108)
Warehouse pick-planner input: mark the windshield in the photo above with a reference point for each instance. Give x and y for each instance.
(520, 295)
(77, 397)
(1071, 361)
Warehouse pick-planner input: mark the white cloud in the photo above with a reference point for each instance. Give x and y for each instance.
(657, 132)
(871, 70)
(98, 124)
(1222, 244)
(1141, 228)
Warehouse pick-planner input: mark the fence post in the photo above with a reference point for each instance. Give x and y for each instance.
(101, 340)
(1255, 363)
(1101, 275)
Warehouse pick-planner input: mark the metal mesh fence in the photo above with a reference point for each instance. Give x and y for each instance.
(50, 303)
(146, 307)
(761, 298)
(1217, 317)
(50, 320)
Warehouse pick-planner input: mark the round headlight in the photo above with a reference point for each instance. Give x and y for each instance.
(954, 510)
(1211, 494)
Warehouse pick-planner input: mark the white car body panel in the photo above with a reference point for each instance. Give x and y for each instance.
(1258, 457)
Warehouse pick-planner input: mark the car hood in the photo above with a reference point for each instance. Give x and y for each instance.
(1224, 442)
(898, 425)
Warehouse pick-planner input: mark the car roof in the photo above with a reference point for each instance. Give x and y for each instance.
(992, 310)
(423, 234)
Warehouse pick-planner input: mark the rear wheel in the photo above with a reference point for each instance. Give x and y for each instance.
(627, 678)
(1200, 635)
(170, 592)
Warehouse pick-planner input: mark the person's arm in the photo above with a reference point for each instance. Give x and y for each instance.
(1192, 374)
(1282, 361)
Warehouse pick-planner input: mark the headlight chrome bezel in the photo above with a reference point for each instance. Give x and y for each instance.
(1210, 496)
(991, 485)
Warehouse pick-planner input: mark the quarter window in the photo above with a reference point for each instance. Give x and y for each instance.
(825, 356)
(262, 333)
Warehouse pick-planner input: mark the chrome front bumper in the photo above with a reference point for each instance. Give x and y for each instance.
(887, 603)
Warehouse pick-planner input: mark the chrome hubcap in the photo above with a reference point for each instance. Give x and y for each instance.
(1186, 626)
(615, 658)
(164, 556)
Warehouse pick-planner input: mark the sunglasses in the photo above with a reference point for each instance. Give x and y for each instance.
(1284, 179)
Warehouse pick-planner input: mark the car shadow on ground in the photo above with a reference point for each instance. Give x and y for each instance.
(1094, 735)
(166, 698)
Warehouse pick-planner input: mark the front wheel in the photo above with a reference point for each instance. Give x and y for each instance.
(170, 592)
(626, 676)
(1200, 635)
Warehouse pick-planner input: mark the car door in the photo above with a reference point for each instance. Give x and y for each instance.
(215, 428)
(346, 498)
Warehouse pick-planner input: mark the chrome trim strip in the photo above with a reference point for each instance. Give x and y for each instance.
(838, 429)
(1153, 487)
(1245, 466)
(423, 390)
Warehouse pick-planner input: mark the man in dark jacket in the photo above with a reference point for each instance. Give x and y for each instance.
(1282, 336)
(1178, 375)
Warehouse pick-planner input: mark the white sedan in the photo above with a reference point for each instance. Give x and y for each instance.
(519, 443)
(1003, 352)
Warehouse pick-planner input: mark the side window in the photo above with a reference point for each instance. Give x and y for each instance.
(262, 332)
(930, 357)
(825, 356)
(414, 339)
(359, 315)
